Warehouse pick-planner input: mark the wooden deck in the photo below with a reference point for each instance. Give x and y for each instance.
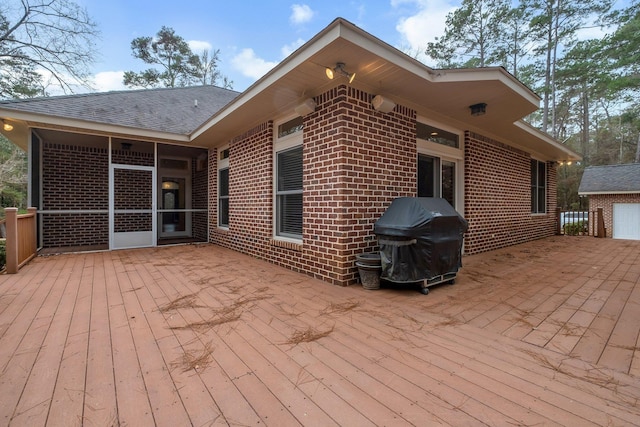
(545, 333)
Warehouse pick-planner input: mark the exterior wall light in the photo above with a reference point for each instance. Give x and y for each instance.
(8, 127)
(478, 109)
(382, 104)
(339, 69)
(307, 106)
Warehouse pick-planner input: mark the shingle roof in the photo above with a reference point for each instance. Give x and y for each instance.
(611, 179)
(170, 110)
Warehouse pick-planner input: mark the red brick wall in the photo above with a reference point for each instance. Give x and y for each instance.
(356, 161)
(75, 178)
(498, 196)
(250, 194)
(606, 201)
(199, 199)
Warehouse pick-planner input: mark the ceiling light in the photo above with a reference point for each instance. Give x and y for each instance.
(339, 69)
(329, 73)
(8, 127)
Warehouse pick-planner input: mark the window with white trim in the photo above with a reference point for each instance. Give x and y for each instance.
(538, 187)
(223, 187)
(288, 186)
(440, 163)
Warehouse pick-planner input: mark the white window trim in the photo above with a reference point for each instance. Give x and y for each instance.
(546, 187)
(282, 144)
(222, 164)
(448, 154)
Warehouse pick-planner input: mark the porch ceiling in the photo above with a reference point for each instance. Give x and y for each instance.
(443, 95)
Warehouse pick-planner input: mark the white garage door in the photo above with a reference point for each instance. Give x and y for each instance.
(626, 221)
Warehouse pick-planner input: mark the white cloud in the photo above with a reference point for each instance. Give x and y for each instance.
(198, 46)
(251, 65)
(427, 23)
(109, 80)
(287, 50)
(301, 13)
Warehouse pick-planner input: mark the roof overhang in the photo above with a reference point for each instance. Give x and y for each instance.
(23, 121)
(607, 193)
(441, 95)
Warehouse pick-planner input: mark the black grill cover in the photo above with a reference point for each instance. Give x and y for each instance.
(420, 238)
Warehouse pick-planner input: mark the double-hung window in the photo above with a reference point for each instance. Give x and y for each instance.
(288, 180)
(538, 187)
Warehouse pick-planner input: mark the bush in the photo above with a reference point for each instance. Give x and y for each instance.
(3, 254)
(576, 228)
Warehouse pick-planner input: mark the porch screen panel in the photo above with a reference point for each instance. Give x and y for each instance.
(133, 190)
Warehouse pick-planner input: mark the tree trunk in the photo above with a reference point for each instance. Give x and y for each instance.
(585, 124)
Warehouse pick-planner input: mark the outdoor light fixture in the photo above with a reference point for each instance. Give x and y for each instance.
(478, 109)
(307, 106)
(7, 126)
(339, 69)
(382, 104)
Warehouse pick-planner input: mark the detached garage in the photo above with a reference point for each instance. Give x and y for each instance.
(615, 189)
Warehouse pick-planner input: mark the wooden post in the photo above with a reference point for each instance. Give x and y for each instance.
(602, 232)
(558, 227)
(11, 246)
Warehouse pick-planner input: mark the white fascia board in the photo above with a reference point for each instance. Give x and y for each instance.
(301, 55)
(338, 29)
(547, 139)
(59, 123)
(607, 193)
(486, 74)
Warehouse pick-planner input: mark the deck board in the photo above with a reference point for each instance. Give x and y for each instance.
(90, 339)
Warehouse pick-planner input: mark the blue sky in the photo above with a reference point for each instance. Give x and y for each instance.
(252, 36)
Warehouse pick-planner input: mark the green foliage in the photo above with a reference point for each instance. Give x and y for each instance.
(178, 65)
(472, 36)
(13, 175)
(3, 253)
(576, 228)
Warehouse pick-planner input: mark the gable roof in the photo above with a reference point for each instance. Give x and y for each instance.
(443, 96)
(610, 179)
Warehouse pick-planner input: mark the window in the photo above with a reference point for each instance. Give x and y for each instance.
(223, 187)
(289, 193)
(223, 197)
(290, 127)
(437, 178)
(439, 136)
(538, 187)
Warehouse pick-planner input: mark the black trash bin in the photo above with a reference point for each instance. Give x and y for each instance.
(420, 240)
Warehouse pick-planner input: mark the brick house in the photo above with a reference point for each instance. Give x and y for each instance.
(297, 168)
(615, 189)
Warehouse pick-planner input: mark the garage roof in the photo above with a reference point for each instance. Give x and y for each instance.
(610, 179)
